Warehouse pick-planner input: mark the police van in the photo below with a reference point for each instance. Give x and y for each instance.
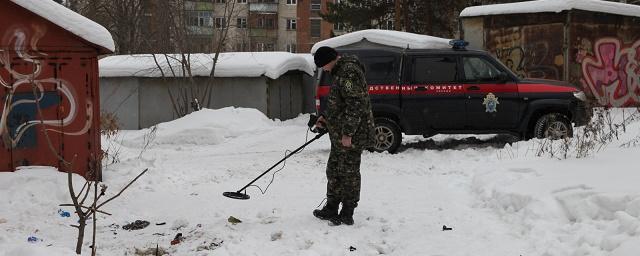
(459, 91)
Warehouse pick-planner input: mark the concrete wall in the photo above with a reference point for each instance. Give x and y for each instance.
(603, 57)
(533, 51)
(246, 92)
(286, 97)
(155, 103)
(144, 102)
(594, 51)
(120, 96)
(474, 32)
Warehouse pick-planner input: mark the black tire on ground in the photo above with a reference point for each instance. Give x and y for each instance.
(387, 136)
(553, 126)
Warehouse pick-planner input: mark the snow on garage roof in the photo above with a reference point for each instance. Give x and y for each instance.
(386, 37)
(69, 20)
(553, 6)
(230, 64)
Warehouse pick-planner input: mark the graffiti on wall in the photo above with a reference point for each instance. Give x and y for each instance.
(612, 73)
(27, 92)
(525, 54)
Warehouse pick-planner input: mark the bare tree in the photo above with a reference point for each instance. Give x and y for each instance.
(84, 211)
(123, 18)
(230, 10)
(189, 96)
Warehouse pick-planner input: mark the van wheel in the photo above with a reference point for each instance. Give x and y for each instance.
(387, 135)
(553, 126)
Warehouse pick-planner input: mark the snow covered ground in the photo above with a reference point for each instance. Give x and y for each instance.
(498, 198)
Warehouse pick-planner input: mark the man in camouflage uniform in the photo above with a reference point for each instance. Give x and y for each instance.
(349, 121)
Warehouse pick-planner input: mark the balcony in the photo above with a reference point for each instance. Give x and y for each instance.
(198, 6)
(199, 30)
(261, 32)
(263, 7)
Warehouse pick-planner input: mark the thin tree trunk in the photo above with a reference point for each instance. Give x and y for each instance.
(81, 227)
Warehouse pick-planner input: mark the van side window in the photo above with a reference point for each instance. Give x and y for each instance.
(478, 69)
(435, 69)
(381, 70)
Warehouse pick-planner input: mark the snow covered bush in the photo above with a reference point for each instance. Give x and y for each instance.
(606, 126)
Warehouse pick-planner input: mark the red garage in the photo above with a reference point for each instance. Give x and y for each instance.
(49, 87)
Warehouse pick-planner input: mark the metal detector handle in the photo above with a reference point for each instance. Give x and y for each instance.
(320, 134)
(313, 120)
(321, 130)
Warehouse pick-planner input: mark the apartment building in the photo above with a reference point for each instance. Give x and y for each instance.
(254, 25)
(235, 14)
(311, 27)
(199, 24)
(288, 24)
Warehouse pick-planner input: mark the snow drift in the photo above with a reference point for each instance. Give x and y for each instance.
(499, 199)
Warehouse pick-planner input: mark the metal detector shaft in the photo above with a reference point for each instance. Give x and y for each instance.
(282, 160)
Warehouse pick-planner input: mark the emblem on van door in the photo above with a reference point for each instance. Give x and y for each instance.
(491, 103)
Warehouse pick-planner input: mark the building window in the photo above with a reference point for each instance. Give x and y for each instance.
(291, 24)
(292, 2)
(338, 26)
(241, 1)
(315, 5)
(388, 25)
(199, 18)
(270, 23)
(260, 47)
(221, 22)
(241, 22)
(241, 47)
(290, 48)
(269, 47)
(220, 1)
(315, 27)
(261, 23)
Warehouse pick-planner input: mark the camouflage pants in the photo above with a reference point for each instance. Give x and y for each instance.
(343, 175)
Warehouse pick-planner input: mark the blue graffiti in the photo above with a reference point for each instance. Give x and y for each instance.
(23, 113)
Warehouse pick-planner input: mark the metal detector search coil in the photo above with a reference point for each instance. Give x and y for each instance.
(236, 195)
(243, 196)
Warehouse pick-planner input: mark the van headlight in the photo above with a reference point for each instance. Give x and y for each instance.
(580, 95)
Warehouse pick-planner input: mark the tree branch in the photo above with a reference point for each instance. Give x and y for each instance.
(123, 189)
(89, 208)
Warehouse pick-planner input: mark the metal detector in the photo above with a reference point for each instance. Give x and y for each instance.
(243, 196)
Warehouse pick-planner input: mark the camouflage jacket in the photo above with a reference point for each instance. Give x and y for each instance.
(348, 105)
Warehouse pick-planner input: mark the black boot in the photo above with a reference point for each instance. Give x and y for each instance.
(346, 214)
(329, 212)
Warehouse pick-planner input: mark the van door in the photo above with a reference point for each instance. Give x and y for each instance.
(493, 101)
(382, 70)
(382, 73)
(432, 95)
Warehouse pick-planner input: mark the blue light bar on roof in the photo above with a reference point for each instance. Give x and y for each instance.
(458, 44)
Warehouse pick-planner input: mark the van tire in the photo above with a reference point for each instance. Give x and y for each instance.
(553, 126)
(387, 135)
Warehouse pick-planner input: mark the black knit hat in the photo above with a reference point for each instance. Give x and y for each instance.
(324, 55)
